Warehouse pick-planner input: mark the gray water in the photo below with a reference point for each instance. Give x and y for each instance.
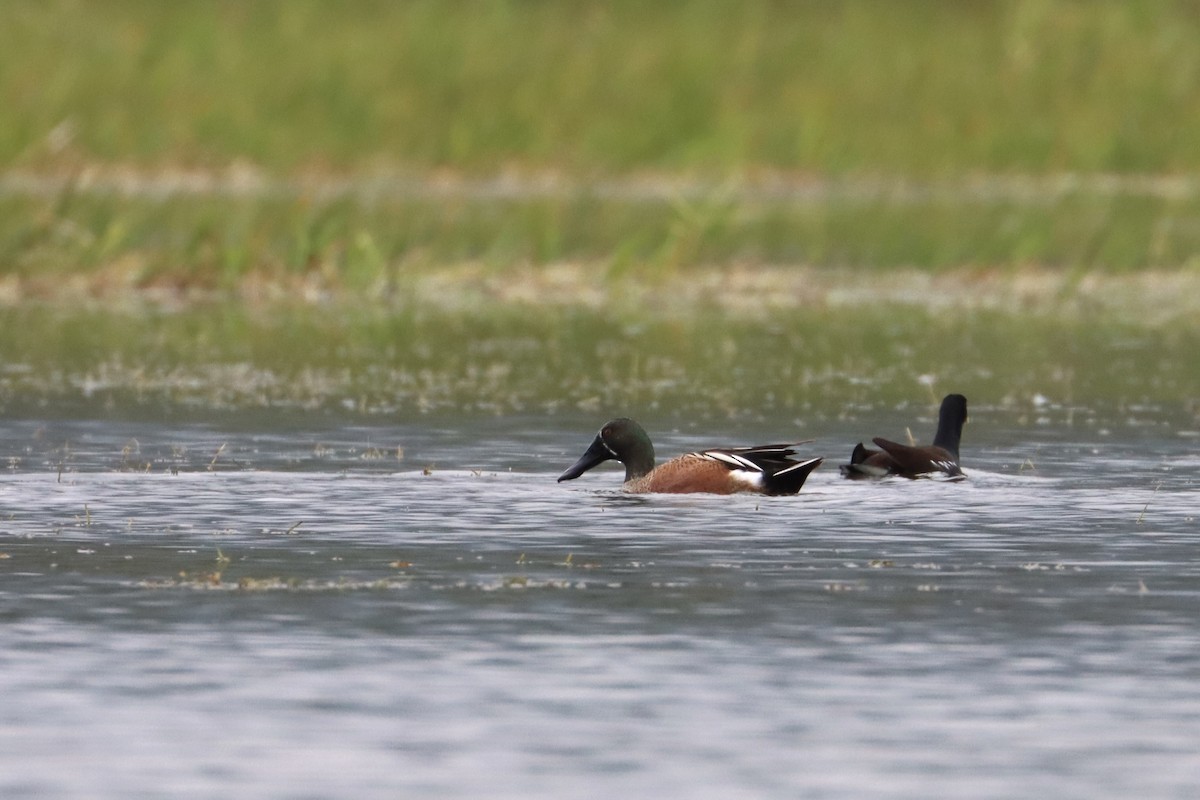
(235, 609)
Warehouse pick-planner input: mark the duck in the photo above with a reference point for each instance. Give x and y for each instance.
(765, 469)
(915, 461)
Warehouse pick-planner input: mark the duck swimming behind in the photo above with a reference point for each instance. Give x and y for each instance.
(910, 461)
(765, 469)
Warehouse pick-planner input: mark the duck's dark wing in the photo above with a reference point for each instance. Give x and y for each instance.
(769, 466)
(913, 461)
(763, 455)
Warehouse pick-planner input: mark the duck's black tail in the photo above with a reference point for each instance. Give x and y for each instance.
(790, 479)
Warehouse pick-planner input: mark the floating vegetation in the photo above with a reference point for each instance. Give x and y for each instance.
(523, 582)
(216, 581)
(838, 587)
(1142, 516)
(212, 464)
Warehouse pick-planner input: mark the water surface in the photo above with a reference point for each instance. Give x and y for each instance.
(349, 609)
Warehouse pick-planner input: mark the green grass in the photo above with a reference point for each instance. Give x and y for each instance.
(357, 243)
(723, 97)
(909, 87)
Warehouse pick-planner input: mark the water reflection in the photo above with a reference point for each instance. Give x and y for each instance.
(796, 366)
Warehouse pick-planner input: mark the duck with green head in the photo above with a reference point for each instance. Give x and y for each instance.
(765, 469)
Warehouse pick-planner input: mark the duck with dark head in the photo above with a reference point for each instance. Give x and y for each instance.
(765, 469)
(915, 461)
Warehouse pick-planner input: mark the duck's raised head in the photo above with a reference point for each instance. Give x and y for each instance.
(621, 439)
(951, 418)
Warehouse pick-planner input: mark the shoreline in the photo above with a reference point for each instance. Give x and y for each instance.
(1148, 297)
(245, 179)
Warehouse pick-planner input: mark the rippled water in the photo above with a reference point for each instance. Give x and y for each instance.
(420, 610)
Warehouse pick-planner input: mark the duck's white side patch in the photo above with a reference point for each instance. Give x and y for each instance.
(752, 479)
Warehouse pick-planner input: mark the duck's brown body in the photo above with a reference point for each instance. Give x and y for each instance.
(703, 472)
(766, 469)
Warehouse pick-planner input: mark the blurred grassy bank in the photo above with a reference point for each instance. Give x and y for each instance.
(900, 87)
(352, 144)
(366, 238)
